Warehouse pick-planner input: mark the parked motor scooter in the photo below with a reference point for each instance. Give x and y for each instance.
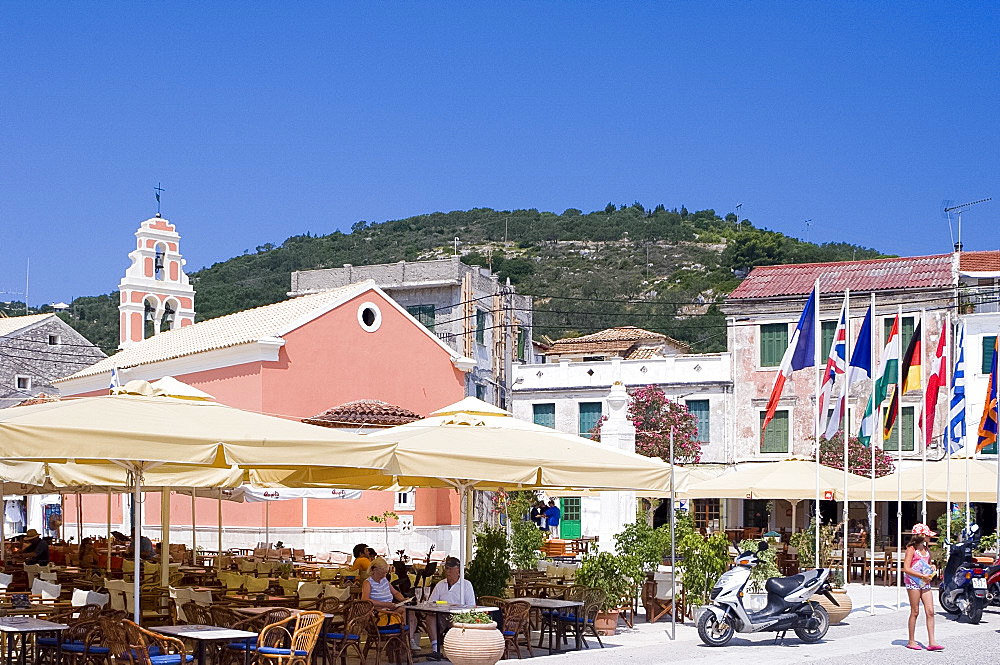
(963, 585)
(993, 583)
(788, 605)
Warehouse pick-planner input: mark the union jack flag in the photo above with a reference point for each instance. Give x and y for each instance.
(836, 363)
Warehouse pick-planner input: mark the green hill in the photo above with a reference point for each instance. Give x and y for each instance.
(624, 265)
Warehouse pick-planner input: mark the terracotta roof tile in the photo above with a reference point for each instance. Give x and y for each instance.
(364, 412)
(40, 398)
(622, 340)
(645, 353)
(979, 261)
(620, 334)
(912, 272)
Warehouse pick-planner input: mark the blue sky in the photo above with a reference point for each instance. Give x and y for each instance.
(268, 120)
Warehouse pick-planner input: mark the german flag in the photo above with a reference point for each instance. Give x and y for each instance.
(911, 379)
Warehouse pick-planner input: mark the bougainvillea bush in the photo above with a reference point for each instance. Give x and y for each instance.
(653, 415)
(859, 457)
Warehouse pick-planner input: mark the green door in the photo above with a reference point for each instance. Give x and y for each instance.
(569, 523)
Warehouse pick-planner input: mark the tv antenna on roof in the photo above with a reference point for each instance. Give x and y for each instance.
(959, 209)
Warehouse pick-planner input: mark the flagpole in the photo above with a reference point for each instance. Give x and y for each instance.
(871, 450)
(899, 453)
(923, 423)
(946, 439)
(817, 348)
(846, 419)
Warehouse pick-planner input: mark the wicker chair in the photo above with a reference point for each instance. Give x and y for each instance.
(74, 638)
(358, 620)
(391, 640)
(290, 641)
(593, 599)
(516, 623)
(235, 652)
(196, 614)
(142, 646)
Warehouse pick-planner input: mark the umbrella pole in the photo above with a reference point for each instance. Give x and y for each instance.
(79, 519)
(3, 525)
(469, 514)
(136, 542)
(107, 562)
(673, 554)
(218, 558)
(194, 531)
(267, 524)
(165, 537)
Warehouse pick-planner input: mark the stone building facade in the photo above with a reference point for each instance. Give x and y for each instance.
(465, 306)
(35, 350)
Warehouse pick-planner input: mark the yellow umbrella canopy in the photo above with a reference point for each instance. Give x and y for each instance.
(475, 444)
(785, 479)
(982, 482)
(159, 429)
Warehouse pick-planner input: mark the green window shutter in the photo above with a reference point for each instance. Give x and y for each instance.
(892, 443)
(424, 314)
(699, 409)
(776, 437)
(905, 333)
(773, 342)
(829, 328)
(988, 342)
(480, 326)
(544, 415)
(590, 413)
(520, 344)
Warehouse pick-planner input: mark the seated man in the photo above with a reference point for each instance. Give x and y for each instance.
(145, 548)
(449, 590)
(37, 549)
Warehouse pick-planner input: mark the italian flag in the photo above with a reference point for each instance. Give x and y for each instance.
(885, 377)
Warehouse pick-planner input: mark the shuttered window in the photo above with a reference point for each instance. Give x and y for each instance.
(480, 326)
(544, 415)
(590, 413)
(905, 333)
(828, 328)
(988, 342)
(892, 443)
(699, 409)
(773, 342)
(776, 438)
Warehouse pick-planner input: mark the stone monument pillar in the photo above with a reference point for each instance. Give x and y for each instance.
(617, 508)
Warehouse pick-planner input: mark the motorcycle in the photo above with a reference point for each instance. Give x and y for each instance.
(788, 606)
(963, 585)
(993, 583)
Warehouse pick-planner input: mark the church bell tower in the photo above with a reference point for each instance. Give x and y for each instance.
(155, 293)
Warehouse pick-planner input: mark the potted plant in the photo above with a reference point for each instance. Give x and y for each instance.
(473, 639)
(766, 568)
(704, 561)
(805, 542)
(617, 576)
(844, 605)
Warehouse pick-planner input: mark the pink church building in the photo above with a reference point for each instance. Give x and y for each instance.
(297, 358)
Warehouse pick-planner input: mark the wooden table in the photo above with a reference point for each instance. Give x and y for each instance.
(12, 627)
(202, 634)
(553, 604)
(259, 599)
(34, 609)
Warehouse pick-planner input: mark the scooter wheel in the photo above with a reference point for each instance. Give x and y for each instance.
(713, 632)
(975, 612)
(818, 625)
(949, 607)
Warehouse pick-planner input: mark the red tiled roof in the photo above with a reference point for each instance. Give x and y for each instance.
(40, 398)
(619, 334)
(912, 272)
(622, 340)
(364, 412)
(979, 261)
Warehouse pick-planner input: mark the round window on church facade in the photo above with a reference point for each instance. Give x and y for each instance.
(369, 316)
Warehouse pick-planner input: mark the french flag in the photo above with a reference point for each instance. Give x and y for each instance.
(801, 353)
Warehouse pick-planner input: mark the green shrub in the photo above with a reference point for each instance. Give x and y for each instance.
(617, 576)
(489, 570)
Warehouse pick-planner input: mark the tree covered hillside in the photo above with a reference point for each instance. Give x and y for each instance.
(623, 265)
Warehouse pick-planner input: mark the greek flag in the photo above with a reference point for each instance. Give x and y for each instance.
(956, 422)
(115, 383)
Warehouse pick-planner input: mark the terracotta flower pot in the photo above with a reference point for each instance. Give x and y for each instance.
(837, 614)
(606, 623)
(473, 644)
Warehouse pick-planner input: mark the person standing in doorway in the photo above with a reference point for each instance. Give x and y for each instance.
(552, 515)
(918, 571)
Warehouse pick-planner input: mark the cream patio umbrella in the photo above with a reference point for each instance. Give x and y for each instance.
(785, 479)
(982, 482)
(141, 431)
(472, 444)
